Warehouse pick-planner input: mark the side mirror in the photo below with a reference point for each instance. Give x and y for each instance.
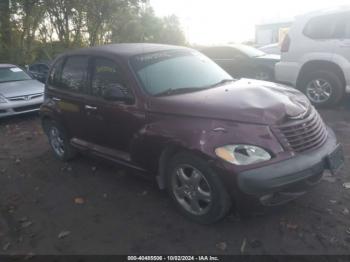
(115, 93)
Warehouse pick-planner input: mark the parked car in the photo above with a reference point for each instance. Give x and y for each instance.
(39, 71)
(316, 56)
(243, 61)
(19, 93)
(175, 115)
(273, 49)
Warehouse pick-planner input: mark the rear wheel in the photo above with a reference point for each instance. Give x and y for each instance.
(323, 88)
(196, 189)
(59, 141)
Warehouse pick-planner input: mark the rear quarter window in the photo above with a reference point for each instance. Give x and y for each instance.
(321, 27)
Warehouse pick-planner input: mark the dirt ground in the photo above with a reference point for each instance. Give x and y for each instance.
(91, 207)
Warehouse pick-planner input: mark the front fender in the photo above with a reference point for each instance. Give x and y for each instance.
(198, 135)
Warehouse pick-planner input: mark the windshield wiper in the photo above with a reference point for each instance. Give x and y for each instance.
(222, 82)
(7, 81)
(183, 90)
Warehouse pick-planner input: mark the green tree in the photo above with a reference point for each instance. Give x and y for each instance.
(29, 15)
(41, 29)
(108, 16)
(5, 30)
(171, 32)
(145, 26)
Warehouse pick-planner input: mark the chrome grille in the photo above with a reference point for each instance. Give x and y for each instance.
(305, 134)
(25, 98)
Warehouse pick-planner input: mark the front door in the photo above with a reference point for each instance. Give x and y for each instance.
(111, 124)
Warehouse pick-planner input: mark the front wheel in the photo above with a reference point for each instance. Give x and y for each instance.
(322, 88)
(196, 189)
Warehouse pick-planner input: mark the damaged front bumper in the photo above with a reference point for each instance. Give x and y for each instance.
(286, 180)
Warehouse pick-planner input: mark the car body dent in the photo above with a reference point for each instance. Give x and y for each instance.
(239, 112)
(240, 101)
(198, 135)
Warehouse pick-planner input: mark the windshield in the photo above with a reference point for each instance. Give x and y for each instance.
(184, 70)
(250, 51)
(10, 74)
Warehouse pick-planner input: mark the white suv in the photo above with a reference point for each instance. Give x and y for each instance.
(316, 56)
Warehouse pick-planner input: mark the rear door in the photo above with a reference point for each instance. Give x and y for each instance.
(67, 87)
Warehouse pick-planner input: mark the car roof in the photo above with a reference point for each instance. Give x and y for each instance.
(7, 65)
(327, 11)
(125, 50)
(41, 63)
(237, 46)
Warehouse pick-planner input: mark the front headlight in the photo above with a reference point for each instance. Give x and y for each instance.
(242, 154)
(2, 99)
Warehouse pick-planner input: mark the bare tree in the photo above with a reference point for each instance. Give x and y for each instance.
(60, 13)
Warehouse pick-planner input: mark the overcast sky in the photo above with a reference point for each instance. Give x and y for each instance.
(223, 21)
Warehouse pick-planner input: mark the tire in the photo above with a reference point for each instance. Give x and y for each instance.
(326, 82)
(202, 186)
(59, 141)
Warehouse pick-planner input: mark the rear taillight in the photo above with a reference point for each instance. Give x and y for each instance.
(285, 44)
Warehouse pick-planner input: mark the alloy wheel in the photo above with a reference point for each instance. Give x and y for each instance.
(319, 91)
(191, 189)
(56, 141)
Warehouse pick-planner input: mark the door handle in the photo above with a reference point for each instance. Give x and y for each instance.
(56, 99)
(90, 107)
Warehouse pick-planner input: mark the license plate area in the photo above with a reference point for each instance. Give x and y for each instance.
(335, 160)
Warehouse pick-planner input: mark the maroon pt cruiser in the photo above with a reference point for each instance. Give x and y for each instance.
(172, 113)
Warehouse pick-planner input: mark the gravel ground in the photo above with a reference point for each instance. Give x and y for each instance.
(92, 207)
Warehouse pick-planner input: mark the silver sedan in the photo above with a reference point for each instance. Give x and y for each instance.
(19, 93)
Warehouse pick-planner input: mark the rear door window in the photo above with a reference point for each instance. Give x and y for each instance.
(74, 73)
(322, 27)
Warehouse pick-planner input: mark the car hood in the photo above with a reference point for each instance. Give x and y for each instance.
(245, 100)
(21, 88)
(270, 57)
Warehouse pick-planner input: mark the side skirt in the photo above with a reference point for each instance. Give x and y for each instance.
(113, 155)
